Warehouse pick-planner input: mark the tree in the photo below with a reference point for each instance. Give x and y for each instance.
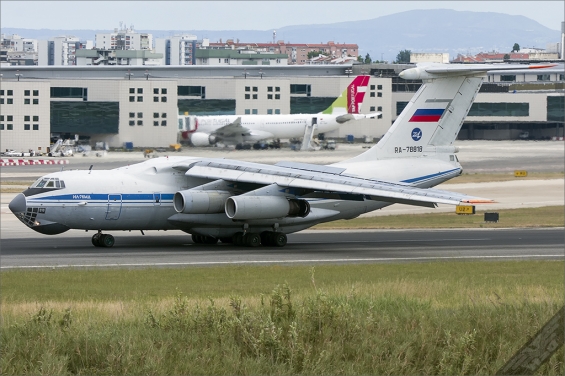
(367, 59)
(312, 54)
(515, 48)
(403, 57)
(506, 57)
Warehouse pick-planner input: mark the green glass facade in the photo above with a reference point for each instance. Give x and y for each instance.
(309, 105)
(85, 117)
(205, 107)
(499, 109)
(556, 108)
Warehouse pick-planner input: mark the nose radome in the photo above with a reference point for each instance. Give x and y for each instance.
(18, 204)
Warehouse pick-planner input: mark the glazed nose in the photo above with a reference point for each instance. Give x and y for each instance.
(18, 204)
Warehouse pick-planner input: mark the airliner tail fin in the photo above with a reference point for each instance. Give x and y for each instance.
(350, 101)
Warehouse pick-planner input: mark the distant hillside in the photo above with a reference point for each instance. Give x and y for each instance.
(436, 30)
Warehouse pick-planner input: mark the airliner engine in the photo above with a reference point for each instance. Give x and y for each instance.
(200, 202)
(202, 139)
(265, 207)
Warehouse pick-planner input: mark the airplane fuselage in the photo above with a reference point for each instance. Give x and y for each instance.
(140, 197)
(277, 126)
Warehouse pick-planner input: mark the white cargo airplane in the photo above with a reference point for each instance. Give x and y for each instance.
(240, 129)
(253, 203)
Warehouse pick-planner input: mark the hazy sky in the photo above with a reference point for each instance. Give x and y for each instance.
(241, 15)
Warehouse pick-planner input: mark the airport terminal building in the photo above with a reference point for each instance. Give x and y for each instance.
(140, 105)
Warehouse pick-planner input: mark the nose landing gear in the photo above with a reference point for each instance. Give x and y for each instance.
(102, 240)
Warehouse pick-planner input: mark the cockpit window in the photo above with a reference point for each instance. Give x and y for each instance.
(48, 183)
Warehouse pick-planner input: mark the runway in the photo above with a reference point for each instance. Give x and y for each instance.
(23, 248)
(175, 249)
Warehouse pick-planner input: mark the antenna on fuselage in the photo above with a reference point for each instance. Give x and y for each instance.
(90, 168)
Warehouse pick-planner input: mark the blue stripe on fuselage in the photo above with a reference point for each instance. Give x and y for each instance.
(104, 197)
(427, 177)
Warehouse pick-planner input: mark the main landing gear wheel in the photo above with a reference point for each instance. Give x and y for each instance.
(252, 239)
(103, 240)
(277, 239)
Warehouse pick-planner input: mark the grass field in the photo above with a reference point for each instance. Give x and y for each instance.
(547, 216)
(426, 318)
(402, 319)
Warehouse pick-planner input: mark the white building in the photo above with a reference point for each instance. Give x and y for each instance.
(177, 50)
(16, 43)
(124, 39)
(58, 51)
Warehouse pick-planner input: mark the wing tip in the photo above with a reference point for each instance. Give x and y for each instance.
(479, 201)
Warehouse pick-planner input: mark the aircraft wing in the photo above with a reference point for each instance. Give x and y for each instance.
(293, 177)
(231, 130)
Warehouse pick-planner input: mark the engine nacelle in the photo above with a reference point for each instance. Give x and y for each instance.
(265, 207)
(200, 202)
(202, 139)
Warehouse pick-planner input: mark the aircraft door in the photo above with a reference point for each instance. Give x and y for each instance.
(314, 121)
(114, 206)
(157, 199)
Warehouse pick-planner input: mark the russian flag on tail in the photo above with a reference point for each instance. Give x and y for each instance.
(427, 115)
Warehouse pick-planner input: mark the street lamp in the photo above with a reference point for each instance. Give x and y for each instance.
(18, 74)
(129, 74)
(348, 71)
(146, 75)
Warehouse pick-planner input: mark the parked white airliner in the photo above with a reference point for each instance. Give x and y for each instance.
(253, 203)
(240, 129)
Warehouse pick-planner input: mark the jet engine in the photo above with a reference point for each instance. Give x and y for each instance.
(202, 139)
(200, 202)
(265, 207)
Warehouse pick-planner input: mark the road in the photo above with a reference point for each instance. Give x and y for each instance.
(175, 249)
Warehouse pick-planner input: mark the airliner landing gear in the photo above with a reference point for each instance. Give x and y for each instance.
(102, 240)
(277, 239)
(267, 238)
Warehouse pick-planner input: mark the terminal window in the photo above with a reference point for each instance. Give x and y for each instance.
(36, 127)
(27, 127)
(35, 118)
(132, 90)
(163, 99)
(155, 91)
(27, 101)
(36, 93)
(163, 123)
(140, 99)
(35, 101)
(27, 93)
(9, 101)
(164, 90)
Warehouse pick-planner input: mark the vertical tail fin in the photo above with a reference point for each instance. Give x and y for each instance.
(433, 117)
(350, 101)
